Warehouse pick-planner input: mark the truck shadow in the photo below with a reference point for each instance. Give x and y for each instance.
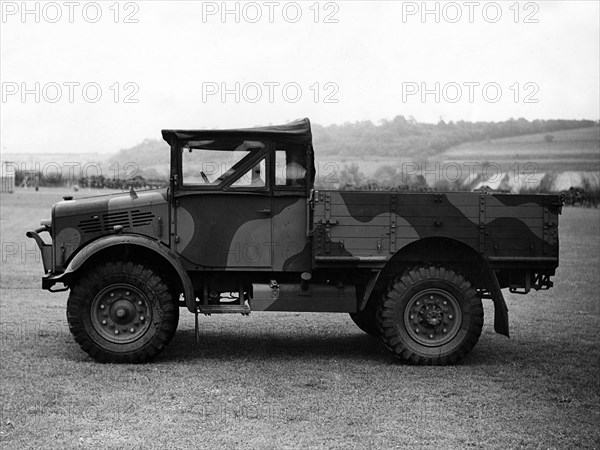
(220, 346)
(492, 350)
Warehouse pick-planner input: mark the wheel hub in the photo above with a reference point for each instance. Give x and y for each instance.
(432, 317)
(121, 313)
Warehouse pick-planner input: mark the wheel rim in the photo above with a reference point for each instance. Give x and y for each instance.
(433, 317)
(121, 313)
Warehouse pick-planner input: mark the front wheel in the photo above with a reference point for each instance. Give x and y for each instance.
(122, 312)
(430, 315)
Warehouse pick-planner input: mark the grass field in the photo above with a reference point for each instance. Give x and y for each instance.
(276, 380)
(570, 150)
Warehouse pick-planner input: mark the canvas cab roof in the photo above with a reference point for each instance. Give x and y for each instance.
(298, 132)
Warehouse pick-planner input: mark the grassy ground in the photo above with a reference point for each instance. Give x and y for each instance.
(575, 150)
(276, 380)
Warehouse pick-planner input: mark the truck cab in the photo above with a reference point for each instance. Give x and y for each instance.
(240, 198)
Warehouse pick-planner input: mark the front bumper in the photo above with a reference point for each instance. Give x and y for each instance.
(50, 280)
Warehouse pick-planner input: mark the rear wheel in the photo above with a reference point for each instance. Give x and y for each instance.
(430, 315)
(122, 312)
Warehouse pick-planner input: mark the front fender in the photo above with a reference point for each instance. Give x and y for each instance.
(99, 245)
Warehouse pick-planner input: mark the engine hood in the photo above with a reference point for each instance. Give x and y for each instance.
(101, 204)
(75, 223)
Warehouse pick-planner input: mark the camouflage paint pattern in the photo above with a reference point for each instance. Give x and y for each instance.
(369, 227)
(254, 231)
(78, 222)
(242, 231)
(316, 298)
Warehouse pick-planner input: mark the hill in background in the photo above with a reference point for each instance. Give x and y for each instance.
(404, 139)
(550, 161)
(151, 157)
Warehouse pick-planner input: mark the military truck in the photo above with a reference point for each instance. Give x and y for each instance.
(241, 228)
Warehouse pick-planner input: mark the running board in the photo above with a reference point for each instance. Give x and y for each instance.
(223, 309)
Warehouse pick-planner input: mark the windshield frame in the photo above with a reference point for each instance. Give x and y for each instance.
(238, 170)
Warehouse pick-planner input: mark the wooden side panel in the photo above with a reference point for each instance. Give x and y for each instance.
(365, 225)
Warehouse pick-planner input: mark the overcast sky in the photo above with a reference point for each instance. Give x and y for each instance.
(73, 80)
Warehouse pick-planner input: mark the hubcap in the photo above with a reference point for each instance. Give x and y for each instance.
(121, 313)
(432, 317)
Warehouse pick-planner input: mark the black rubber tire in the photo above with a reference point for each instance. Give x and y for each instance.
(456, 310)
(150, 336)
(366, 319)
